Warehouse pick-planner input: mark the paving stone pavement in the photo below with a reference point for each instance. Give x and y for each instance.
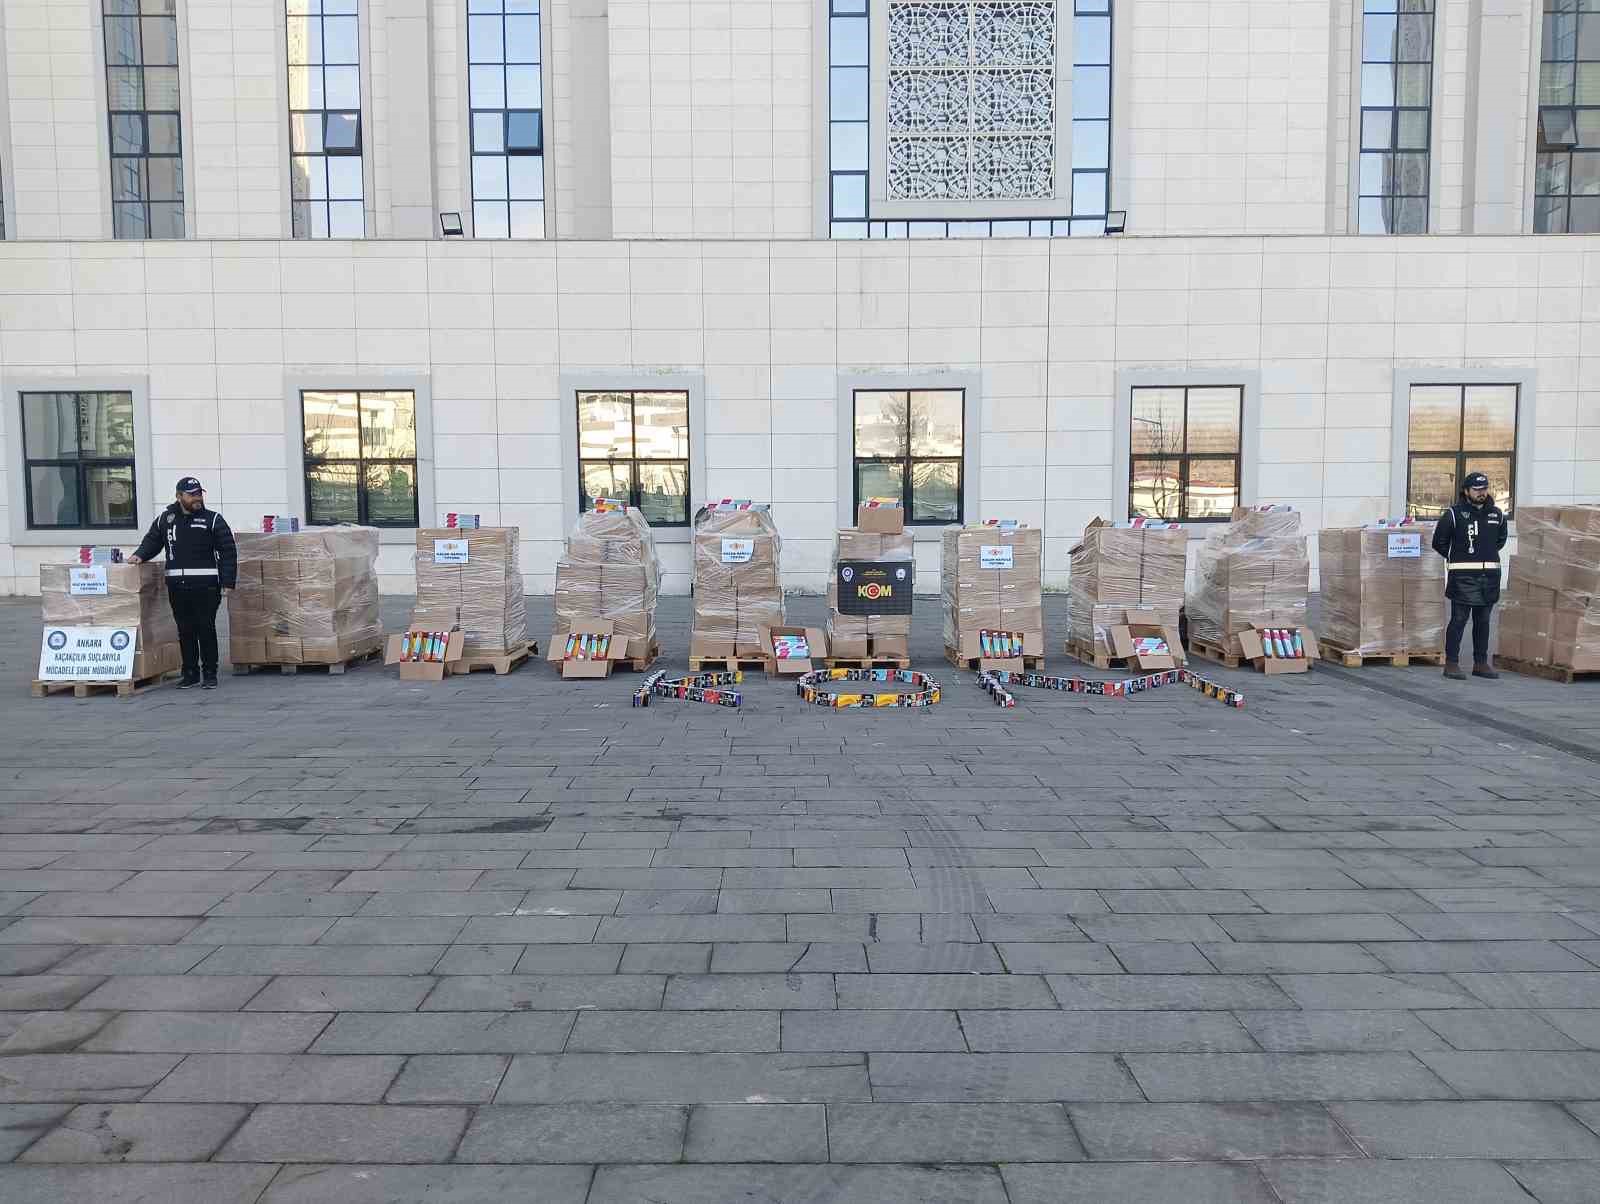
(337, 938)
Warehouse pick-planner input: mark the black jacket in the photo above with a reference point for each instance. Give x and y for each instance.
(1469, 534)
(202, 540)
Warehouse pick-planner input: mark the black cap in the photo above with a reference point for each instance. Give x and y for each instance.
(1475, 480)
(190, 485)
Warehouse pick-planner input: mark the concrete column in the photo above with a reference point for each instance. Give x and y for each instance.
(413, 206)
(1497, 109)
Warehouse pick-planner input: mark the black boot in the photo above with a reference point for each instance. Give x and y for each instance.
(189, 680)
(1483, 669)
(1454, 673)
(209, 681)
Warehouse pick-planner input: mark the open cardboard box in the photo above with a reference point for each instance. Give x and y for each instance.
(884, 518)
(1125, 639)
(573, 667)
(424, 670)
(816, 642)
(1250, 643)
(972, 646)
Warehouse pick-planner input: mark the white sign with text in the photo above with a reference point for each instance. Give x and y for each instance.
(87, 653)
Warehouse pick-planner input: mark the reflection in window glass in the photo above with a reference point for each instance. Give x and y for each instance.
(142, 99)
(1566, 178)
(1455, 430)
(1396, 114)
(505, 96)
(326, 194)
(1184, 452)
(360, 456)
(633, 447)
(908, 444)
(78, 466)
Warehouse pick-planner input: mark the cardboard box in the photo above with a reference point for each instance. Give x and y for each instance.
(425, 670)
(1376, 602)
(883, 518)
(738, 589)
(989, 579)
(486, 586)
(816, 643)
(575, 667)
(610, 572)
(1251, 645)
(1124, 642)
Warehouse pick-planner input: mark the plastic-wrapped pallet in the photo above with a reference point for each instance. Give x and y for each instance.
(989, 580)
(1382, 589)
(868, 635)
(136, 596)
(1252, 572)
(308, 597)
(737, 585)
(473, 575)
(1551, 610)
(1118, 566)
(609, 571)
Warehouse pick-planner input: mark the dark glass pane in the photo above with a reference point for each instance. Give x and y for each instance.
(1213, 420)
(661, 426)
(1153, 489)
(1588, 127)
(1435, 418)
(161, 89)
(1558, 128)
(122, 42)
(1550, 173)
(53, 493)
(1412, 83)
(166, 179)
(606, 480)
(108, 496)
(1411, 215)
(1413, 129)
(1157, 422)
(1555, 84)
(342, 133)
(1583, 215)
(664, 492)
(935, 492)
(523, 132)
(160, 41)
(331, 430)
(1410, 175)
(1414, 42)
(165, 137)
(127, 134)
(1432, 487)
(331, 493)
(128, 181)
(389, 426)
(886, 480)
(1377, 129)
(1589, 37)
(1213, 488)
(391, 494)
(1559, 36)
(130, 221)
(50, 425)
(105, 423)
(1498, 470)
(881, 419)
(1550, 215)
(936, 422)
(1489, 420)
(605, 426)
(124, 88)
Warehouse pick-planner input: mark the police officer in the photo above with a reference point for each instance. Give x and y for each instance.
(201, 563)
(1470, 535)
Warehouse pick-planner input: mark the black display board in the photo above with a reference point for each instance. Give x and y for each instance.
(875, 587)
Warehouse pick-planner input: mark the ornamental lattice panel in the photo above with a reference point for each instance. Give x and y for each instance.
(972, 90)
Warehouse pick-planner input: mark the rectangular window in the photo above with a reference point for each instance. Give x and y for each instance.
(1455, 430)
(326, 196)
(1566, 178)
(142, 103)
(909, 444)
(505, 93)
(1396, 116)
(849, 39)
(360, 456)
(78, 460)
(633, 446)
(1091, 115)
(1184, 452)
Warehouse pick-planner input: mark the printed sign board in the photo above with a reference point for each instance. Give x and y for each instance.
(450, 551)
(875, 587)
(1405, 545)
(737, 551)
(87, 653)
(87, 582)
(996, 556)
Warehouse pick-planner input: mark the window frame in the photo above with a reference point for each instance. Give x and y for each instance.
(1461, 455)
(909, 460)
(1358, 149)
(506, 217)
(1185, 458)
(362, 462)
(1525, 378)
(1129, 379)
(635, 460)
(1538, 203)
(79, 463)
(303, 212)
(145, 205)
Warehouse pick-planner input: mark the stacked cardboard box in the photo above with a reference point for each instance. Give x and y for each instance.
(482, 594)
(737, 588)
(609, 571)
(1382, 589)
(136, 596)
(305, 598)
(1551, 614)
(989, 578)
(1121, 567)
(879, 535)
(1252, 572)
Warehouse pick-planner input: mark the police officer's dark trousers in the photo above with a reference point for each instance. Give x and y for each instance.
(194, 607)
(1460, 612)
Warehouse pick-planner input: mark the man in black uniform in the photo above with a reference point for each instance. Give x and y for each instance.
(1470, 535)
(201, 563)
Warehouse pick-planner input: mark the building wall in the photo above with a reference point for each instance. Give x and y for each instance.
(219, 329)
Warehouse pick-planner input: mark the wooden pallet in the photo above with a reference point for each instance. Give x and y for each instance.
(1212, 652)
(1352, 659)
(500, 664)
(328, 667)
(1549, 672)
(1028, 662)
(727, 664)
(122, 689)
(867, 662)
(637, 664)
(1087, 654)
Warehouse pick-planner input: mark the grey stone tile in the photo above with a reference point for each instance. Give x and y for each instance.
(685, 1078)
(1103, 1032)
(1160, 957)
(1039, 901)
(346, 1133)
(394, 930)
(137, 1133)
(1476, 956)
(45, 991)
(123, 903)
(901, 992)
(32, 959)
(1286, 1076)
(259, 930)
(1189, 902)
(174, 993)
(1493, 926)
(1580, 1024)
(674, 1032)
(692, 928)
(656, 959)
(1342, 927)
(445, 1032)
(1278, 957)
(22, 1124)
(1559, 1182)
(764, 902)
(757, 1133)
(1534, 990)
(998, 1132)
(339, 993)
(95, 930)
(531, 930)
(1496, 1029)
(1312, 1031)
(1136, 1183)
(208, 1032)
(544, 992)
(410, 880)
(871, 1031)
(290, 903)
(1180, 992)
(322, 959)
(1523, 1074)
(502, 959)
(943, 958)
(1377, 991)
(790, 957)
(48, 1032)
(575, 1133)
(200, 1183)
(793, 1184)
(1366, 1181)
(71, 1077)
(277, 1079)
(540, 1184)
(564, 959)
(770, 992)
(1466, 1129)
(1208, 1131)
(1000, 1077)
(448, 1079)
(1058, 957)
(435, 903)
